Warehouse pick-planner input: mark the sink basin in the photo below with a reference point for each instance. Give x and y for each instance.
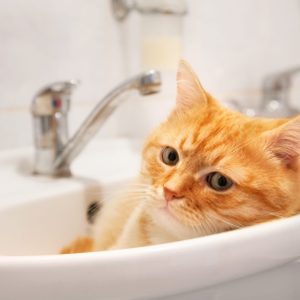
(44, 213)
(39, 215)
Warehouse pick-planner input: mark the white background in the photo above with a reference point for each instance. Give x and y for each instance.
(232, 45)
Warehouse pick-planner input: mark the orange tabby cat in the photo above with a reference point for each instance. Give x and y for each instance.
(205, 170)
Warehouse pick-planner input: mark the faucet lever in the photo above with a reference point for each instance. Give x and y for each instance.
(50, 111)
(53, 98)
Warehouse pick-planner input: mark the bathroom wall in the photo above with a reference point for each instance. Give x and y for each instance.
(232, 44)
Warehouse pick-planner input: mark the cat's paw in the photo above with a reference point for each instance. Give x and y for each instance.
(81, 244)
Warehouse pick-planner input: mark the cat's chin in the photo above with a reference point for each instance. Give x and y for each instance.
(165, 212)
(168, 222)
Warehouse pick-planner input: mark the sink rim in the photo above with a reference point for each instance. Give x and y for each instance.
(227, 256)
(223, 238)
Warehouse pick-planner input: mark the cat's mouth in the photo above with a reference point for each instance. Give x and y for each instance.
(168, 219)
(166, 208)
(166, 216)
(163, 209)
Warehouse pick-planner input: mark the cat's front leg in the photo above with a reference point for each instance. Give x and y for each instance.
(80, 245)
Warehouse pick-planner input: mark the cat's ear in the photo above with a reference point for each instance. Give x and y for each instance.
(284, 142)
(189, 88)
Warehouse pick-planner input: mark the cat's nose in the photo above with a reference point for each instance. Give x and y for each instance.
(171, 195)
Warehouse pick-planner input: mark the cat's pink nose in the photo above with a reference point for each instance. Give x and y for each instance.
(171, 195)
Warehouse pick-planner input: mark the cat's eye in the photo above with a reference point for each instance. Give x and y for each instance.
(169, 156)
(219, 182)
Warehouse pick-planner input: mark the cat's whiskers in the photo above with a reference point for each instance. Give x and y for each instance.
(131, 188)
(211, 225)
(275, 214)
(222, 220)
(202, 228)
(131, 193)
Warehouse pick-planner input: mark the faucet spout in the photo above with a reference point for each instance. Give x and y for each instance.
(58, 163)
(146, 83)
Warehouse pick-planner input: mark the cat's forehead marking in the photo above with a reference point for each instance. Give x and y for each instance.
(210, 140)
(208, 131)
(212, 146)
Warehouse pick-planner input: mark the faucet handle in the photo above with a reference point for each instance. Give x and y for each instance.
(50, 109)
(54, 98)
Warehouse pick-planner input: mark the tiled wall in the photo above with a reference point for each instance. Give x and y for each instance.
(231, 43)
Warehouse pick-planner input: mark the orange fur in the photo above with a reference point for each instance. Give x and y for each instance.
(261, 156)
(82, 244)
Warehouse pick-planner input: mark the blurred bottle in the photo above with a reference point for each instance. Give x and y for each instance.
(151, 38)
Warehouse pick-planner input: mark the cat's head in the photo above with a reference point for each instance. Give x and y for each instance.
(211, 169)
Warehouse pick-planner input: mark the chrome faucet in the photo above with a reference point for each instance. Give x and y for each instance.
(54, 150)
(275, 101)
(276, 88)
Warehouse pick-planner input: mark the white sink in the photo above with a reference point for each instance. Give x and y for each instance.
(39, 215)
(43, 213)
